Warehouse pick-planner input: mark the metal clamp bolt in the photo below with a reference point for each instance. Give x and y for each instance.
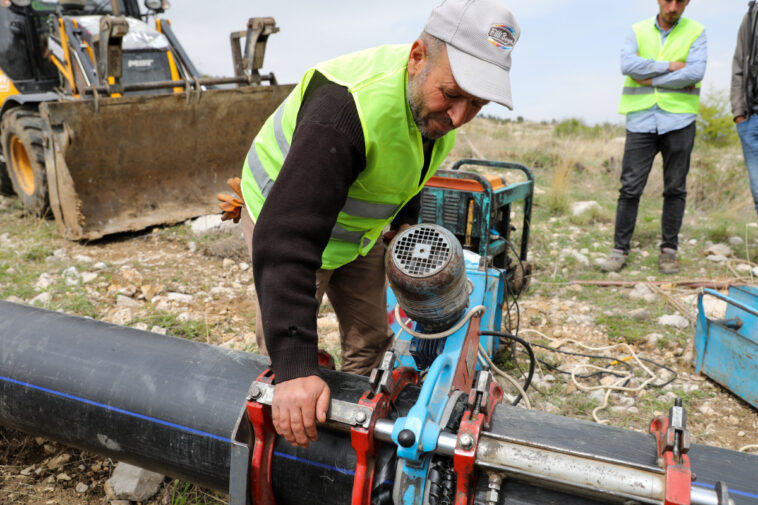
(467, 441)
(493, 493)
(255, 392)
(360, 417)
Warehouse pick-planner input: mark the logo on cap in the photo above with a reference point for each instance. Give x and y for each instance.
(502, 36)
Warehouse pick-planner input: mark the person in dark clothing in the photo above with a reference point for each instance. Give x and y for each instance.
(340, 161)
(743, 94)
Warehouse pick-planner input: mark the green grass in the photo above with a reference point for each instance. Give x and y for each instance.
(191, 330)
(184, 493)
(77, 303)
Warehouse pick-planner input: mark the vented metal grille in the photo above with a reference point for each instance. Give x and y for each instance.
(421, 251)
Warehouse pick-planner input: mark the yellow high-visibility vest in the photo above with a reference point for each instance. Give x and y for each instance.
(377, 80)
(636, 97)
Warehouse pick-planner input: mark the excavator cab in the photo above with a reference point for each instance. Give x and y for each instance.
(106, 123)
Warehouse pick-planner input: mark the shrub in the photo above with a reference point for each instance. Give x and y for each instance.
(714, 121)
(576, 128)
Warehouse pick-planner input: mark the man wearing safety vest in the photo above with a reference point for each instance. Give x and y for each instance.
(340, 160)
(664, 61)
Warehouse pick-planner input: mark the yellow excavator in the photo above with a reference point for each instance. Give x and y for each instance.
(105, 121)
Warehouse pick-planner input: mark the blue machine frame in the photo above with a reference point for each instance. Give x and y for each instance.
(727, 349)
(482, 216)
(426, 417)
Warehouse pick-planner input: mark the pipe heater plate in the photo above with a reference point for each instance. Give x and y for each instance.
(422, 251)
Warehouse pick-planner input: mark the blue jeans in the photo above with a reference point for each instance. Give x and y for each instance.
(748, 132)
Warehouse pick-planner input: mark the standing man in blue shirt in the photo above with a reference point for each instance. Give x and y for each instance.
(664, 60)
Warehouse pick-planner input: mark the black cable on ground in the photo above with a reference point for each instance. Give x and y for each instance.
(554, 368)
(594, 356)
(529, 350)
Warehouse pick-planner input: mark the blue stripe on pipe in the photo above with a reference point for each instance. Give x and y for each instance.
(325, 466)
(228, 440)
(116, 409)
(315, 463)
(731, 491)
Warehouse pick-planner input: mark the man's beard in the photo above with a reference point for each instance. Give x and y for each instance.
(416, 104)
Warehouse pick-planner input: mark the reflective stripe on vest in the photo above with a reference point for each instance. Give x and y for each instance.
(649, 90)
(637, 97)
(265, 183)
(354, 207)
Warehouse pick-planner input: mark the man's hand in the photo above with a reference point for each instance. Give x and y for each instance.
(644, 82)
(739, 119)
(388, 236)
(676, 65)
(296, 406)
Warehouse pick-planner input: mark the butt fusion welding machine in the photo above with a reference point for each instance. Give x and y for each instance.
(449, 277)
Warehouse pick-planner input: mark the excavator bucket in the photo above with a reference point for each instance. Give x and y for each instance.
(124, 164)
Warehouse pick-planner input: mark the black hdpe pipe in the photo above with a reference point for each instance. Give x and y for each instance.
(159, 402)
(170, 405)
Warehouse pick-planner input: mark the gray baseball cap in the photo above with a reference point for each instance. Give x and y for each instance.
(480, 35)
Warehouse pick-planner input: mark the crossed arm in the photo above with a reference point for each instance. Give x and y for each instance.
(664, 74)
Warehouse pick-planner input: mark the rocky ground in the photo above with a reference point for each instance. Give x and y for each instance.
(195, 281)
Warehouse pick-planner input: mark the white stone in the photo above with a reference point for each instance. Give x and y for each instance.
(642, 292)
(71, 272)
(99, 265)
(179, 297)
(41, 299)
(716, 258)
(706, 409)
(719, 250)
(44, 281)
(222, 291)
(62, 477)
(580, 258)
(212, 222)
(83, 258)
(692, 241)
(121, 316)
(736, 241)
(714, 307)
(244, 266)
(578, 208)
(743, 268)
(652, 340)
(88, 277)
(754, 271)
(58, 255)
(597, 395)
(184, 317)
(125, 301)
(159, 330)
(192, 246)
(81, 487)
(58, 461)
(642, 314)
(133, 483)
(674, 320)
(140, 326)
